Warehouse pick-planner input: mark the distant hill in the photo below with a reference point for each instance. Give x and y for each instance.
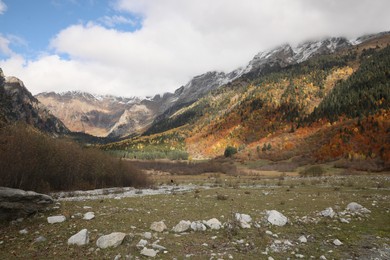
(18, 105)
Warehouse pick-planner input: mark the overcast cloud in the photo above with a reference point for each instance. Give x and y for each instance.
(180, 39)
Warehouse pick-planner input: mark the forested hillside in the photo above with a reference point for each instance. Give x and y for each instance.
(328, 107)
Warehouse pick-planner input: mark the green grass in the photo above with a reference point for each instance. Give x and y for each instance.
(292, 198)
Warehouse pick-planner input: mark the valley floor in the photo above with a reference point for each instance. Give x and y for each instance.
(363, 235)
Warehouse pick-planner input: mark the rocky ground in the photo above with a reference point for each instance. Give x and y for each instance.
(339, 217)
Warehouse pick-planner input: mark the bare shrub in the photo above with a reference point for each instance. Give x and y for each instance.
(31, 160)
(313, 171)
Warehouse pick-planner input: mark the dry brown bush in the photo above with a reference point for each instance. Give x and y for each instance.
(31, 160)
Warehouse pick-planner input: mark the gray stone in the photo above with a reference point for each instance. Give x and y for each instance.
(183, 226)
(56, 219)
(89, 216)
(357, 208)
(148, 252)
(80, 239)
(23, 231)
(142, 243)
(147, 235)
(276, 218)
(244, 220)
(158, 247)
(15, 203)
(328, 212)
(337, 242)
(158, 226)
(198, 226)
(302, 239)
(213, 223)
(40, 239)
(111, 240)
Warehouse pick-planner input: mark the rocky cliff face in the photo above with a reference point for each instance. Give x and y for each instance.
(18, 104)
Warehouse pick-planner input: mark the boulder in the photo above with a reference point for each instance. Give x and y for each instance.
(328, 212)
(183, 226)
(15, 203)
(244, 220)
(357, 208)
(111, 240)
(80, 239)
(149, 252)
(56, 219)
(302, 239)
(276, 218)
(198, 226)
(213, 223)
(142, 243)
(147, 235)
(158, 226)
(89, 216)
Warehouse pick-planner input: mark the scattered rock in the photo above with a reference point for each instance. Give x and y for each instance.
(148, 252)
(111, 240)
(23, 231)
(147, 235)
(357, 208)
(158, 226)
(302, 239)
(328, 212)
(15, 203)
(276, 218)
(142, 243)
(337, 242)
(40, 239)
(322, 257)
(80, 239)
(244, 220)
(198, 226)
(89, 215)
(56, 219)
(213, 223)
(343, 220)
(183, 226)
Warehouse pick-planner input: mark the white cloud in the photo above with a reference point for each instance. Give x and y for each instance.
(3, 7)
(180, 39)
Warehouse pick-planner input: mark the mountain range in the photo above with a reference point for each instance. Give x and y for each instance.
(323, 99)
(118, 117)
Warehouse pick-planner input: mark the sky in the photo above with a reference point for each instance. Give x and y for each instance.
(145, 47)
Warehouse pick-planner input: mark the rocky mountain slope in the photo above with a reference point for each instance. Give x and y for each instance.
(118, 117)
(333, 105)
(18, 104)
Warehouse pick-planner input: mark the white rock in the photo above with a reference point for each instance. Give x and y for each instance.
(183, 226)
(322, 257)
(302, 239)
(23, 231)
(147, 235)
(56, 219)
(270, 258)
(158, 226)
(142, 243)
(111, 240)
(328, 212)
(337, 242)
(269, 232)
(343, 220)
(40, 239)
(276, 218)
(80, 239)
(89, 215)
(357, 208)
(244, 220)
(299, 256)
(148, 252)
(198, 226)
(213, 223)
